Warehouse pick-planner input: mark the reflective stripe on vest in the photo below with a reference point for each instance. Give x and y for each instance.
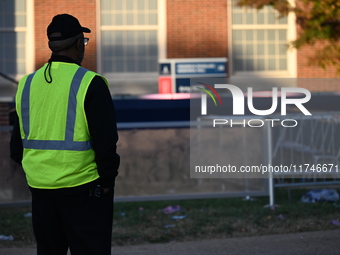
(68, 143)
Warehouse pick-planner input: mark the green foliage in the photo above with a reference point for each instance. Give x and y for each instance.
(319, 21)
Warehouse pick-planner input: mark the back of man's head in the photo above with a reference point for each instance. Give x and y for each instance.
(64, 31)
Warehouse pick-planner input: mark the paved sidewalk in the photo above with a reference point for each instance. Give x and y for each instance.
(307, 243)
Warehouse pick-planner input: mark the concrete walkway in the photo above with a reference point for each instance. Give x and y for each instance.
(307, 243)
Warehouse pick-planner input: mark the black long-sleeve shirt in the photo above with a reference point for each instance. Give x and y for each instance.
(101, 119)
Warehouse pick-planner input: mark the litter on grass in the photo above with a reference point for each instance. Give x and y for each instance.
(281, 216)
(248, 198)
(6, 238)
(320, 195)
(172, 209)
(178, 217)
(335, 222)
(28, 215)
(170, 226)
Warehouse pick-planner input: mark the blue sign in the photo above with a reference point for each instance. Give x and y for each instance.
(165, 69)
(200, 68)
(183, 85)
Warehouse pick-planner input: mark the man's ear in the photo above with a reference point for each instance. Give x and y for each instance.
(80, 44)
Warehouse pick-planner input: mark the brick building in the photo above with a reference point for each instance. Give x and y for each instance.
(130, 36)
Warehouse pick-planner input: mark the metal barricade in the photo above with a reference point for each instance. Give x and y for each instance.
(311, 150)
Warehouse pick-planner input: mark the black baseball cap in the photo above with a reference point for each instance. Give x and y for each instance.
(65, 26)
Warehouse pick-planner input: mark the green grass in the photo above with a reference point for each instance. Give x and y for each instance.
(13, 222)
(145, 222)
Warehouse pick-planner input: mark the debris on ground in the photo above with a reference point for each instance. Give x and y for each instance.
(178, 217)
(248, 198)
(6, 238)
(28, 215)
(170, 226)
(335, 222)
(320, 195)
(281, 216)
(172, 209)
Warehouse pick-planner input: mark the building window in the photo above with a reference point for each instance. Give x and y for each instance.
(260, 40)
(129, 36)
(13, 30)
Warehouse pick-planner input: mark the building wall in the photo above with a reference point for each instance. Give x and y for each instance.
(307, 70)
(4, 114)
(197, 28)
(45, 10)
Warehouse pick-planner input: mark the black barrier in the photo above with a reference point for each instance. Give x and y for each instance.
(143, 110)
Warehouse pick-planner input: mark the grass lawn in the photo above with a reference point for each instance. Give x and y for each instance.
(145, 222)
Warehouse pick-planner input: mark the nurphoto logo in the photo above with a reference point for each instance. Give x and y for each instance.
(239, 105)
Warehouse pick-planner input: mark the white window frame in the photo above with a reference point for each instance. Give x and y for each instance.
(161, 37)
(291, 72)
(29, 41)
(30, 38)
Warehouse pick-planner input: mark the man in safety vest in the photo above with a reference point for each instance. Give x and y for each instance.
(65, 139)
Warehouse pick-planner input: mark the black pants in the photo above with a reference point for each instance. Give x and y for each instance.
(78, 222)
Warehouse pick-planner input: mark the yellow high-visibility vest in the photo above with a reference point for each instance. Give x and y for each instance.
(54, 130)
